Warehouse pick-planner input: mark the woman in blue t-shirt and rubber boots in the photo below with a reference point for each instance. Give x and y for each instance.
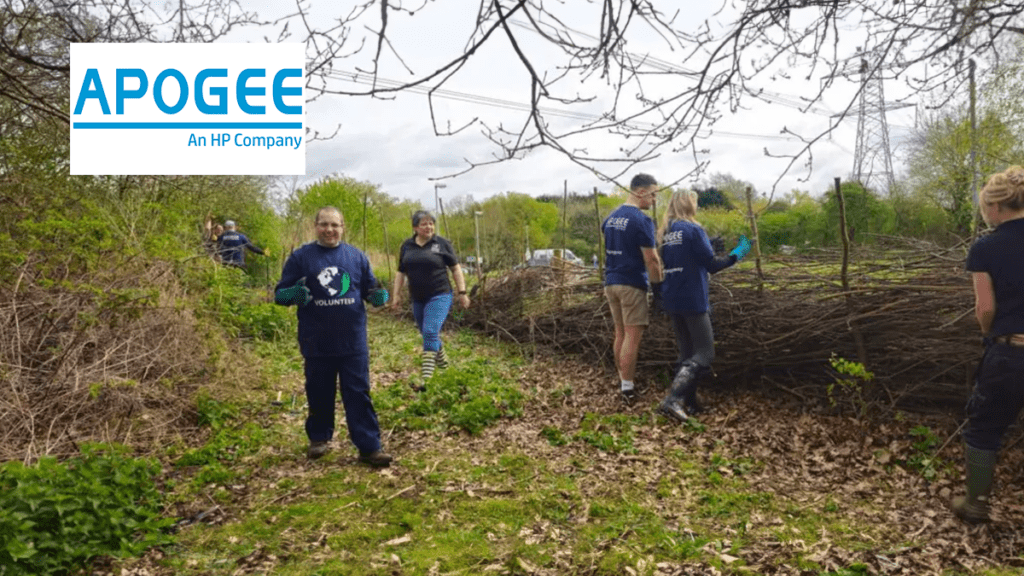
(996, 264)
(688, 258)
(425, 260)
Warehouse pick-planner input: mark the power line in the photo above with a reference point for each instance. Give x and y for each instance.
(368, 80)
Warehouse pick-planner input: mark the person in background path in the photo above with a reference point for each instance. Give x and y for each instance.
(425, 259)
(688, 259)
(630, 259)
(995, 263)
(329, 280)
(233, 245)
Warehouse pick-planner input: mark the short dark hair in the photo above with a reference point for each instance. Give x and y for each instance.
(420, 215)
(642, 180)
(328, 209)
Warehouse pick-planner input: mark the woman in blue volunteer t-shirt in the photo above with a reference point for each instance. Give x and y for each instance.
(995, 264)
(688, 258)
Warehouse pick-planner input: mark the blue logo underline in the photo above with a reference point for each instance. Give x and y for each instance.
(183, 125)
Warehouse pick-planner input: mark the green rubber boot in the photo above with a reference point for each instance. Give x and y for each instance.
(981, 464)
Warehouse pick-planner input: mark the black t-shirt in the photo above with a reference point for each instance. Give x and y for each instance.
(427, 267)
(1001, 254)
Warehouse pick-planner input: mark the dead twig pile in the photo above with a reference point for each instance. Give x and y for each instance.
(106, 358)
(908, 317)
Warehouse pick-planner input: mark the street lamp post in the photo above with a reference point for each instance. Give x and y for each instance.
(437, 203)
(476, 225)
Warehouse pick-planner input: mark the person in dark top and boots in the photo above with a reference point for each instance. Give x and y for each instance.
(329, 280)
(996, 264)
(426, 259)
(233, 245)
(630, 259)
(688, 259)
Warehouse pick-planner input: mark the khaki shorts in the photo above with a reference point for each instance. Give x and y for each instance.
(628, 305)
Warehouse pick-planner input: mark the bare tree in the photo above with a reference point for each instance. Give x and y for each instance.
(664, 99)
(36, 35)
(647, 73)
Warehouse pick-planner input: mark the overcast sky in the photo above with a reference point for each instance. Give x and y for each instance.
(392, 142)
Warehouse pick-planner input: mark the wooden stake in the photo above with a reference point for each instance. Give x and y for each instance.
(756, 242)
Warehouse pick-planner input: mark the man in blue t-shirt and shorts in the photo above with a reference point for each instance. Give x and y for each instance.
(630, 259)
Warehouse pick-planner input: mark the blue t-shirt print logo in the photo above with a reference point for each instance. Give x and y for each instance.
(329, 279)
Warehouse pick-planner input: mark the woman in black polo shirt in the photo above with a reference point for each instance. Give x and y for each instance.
(995, 264)
(425, 260)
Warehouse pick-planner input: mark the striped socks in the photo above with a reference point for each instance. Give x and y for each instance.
(442, 359)
(428, 364)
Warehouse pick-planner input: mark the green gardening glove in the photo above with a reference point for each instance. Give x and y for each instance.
(297, 294)
(377, 297)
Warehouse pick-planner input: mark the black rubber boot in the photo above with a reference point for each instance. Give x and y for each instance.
(674, 404)
(690, 403)
(981, 465)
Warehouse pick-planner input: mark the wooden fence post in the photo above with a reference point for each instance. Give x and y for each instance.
(858, 337)
(757, 243)
(600, 238)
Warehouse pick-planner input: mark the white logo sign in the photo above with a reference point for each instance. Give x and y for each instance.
(188, 109)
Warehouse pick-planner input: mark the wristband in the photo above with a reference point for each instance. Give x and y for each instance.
(461, 292)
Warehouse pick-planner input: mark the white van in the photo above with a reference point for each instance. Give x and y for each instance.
(544, 257)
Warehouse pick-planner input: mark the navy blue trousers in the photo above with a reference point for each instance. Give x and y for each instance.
(997, 398)
(323, 376)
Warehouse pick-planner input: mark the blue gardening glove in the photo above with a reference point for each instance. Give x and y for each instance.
(742, 248)
(378, 297)
(297, 294)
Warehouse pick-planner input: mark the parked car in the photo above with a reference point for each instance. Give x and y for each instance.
(545, 256)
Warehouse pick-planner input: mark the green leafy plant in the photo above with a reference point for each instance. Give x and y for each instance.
(555, 436)
(848, 387)
(608, 433)
(57, 516)
(471, 397)
(922, 457)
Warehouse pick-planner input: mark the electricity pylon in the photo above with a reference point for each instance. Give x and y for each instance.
(872, 156)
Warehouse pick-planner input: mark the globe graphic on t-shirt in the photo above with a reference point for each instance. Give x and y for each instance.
(329, 279)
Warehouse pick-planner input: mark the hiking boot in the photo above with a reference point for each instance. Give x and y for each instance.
(674, 410)
(317, 449)
(377, 458)
(974, 507)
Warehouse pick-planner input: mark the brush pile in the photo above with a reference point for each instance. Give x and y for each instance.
(907, 317)
(107, 358)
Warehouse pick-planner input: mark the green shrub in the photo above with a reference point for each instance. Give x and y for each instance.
(55, 517)
(241, 310)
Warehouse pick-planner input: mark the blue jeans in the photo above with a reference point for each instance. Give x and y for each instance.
(322, 381)
(430, 316)
(997, 398)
